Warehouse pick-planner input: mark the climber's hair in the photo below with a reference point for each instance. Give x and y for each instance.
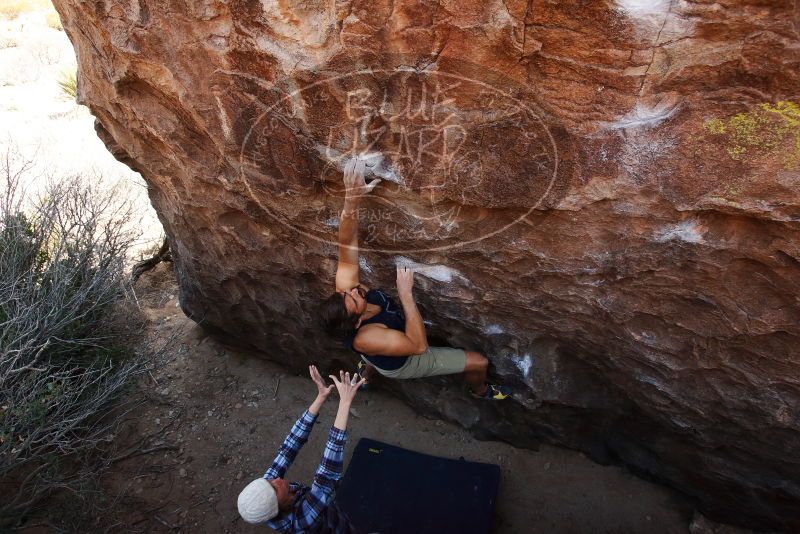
(335, 318)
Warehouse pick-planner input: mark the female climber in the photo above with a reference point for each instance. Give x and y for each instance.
(390, 339)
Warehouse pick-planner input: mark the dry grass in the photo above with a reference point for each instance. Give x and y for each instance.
(68, 82)
(7, 42)
(54, 20)
(12, 8)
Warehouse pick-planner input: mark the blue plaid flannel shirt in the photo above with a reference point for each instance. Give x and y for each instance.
(308, 512)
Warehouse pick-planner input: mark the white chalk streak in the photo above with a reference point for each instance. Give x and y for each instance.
(643, 7)
(687, 231)
(644, 116)
(442, 273)
(523, 363)
(362, 262)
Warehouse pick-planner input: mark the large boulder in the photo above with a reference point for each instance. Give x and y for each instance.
(601, 196)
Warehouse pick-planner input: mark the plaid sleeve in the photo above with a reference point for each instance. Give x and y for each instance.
(330, 469)
(291, 446)
(328, 473)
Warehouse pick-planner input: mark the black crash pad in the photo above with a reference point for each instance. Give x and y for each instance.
(389, 490)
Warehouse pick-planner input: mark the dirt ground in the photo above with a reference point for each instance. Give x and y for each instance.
(218, 416)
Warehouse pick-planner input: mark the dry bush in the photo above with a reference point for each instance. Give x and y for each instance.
(13, 8)
(68, 332)
(54, 20)
(7, 42)
(45, 52)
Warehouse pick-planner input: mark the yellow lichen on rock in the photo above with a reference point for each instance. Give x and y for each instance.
(765, 129)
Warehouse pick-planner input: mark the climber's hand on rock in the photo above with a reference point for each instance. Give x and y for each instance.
(347, 386)
(354, 182)
(322, 390)
(405, 282)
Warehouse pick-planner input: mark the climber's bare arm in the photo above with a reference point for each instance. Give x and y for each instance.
(355, 188)
(378, 339)
(415, 328)
(347, 269)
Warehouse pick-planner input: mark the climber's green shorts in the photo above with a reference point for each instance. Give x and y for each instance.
(434, 361)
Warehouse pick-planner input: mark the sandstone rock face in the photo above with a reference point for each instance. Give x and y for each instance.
(601, 196)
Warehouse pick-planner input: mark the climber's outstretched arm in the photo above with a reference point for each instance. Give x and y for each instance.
(378, 339)
(355, 188)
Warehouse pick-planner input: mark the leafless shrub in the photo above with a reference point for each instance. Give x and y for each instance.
(46, 52)
(7, 42)
(162, 254)
(67, 335)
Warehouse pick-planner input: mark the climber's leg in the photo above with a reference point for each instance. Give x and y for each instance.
(475, 375)
(366, 370)
(433, 362)
(475, 372)
(448, 361)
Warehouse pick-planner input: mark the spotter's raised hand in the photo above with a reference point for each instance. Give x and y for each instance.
(322, 390)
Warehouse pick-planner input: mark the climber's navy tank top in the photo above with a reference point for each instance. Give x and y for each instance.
(391, 315)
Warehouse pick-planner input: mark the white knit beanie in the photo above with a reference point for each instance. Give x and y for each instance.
(258, 502)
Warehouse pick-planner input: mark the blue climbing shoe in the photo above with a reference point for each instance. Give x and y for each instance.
(494, 392)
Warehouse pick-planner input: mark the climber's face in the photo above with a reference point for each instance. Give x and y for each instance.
(354, 301)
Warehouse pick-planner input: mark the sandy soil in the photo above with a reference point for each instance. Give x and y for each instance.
(222, 414)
